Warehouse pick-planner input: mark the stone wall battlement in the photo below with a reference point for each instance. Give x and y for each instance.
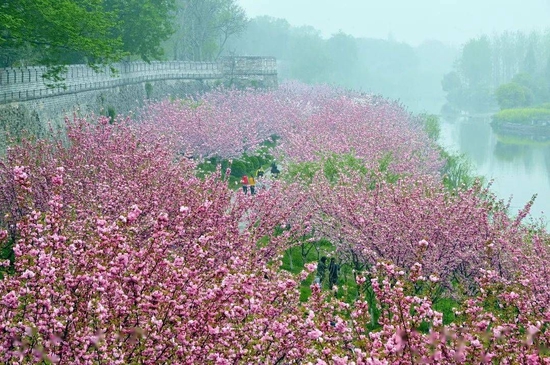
(21, 84)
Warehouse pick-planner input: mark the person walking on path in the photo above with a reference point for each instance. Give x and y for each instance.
(252, 184)
(244, 182)
(321, 269)
(274, 170)
(260, 172)
(333, 269)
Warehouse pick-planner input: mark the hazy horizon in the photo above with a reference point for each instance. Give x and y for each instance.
(450, 21)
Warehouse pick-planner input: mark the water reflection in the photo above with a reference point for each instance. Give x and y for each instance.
(473, 136)
(512, 153)
(520, 167)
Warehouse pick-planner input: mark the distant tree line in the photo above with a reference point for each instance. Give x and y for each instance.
(507, 70)
(382, 66)
(56, 33)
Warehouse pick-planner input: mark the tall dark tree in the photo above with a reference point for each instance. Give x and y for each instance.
(530, 61)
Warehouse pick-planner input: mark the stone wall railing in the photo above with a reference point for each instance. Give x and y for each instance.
(249, 65)
(21, 84)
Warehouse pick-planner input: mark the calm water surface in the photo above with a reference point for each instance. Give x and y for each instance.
(519, 169)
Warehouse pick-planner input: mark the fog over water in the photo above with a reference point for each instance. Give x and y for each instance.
(452, 21)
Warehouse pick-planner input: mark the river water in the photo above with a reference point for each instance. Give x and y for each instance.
(518, 168)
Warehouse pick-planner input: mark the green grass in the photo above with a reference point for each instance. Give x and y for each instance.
(294, 260)
(246, 164)
(458, 171)
(525, 116)
(446, 306)
(348, 291)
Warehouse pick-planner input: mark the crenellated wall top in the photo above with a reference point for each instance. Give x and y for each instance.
(18, 84)
(79, 73)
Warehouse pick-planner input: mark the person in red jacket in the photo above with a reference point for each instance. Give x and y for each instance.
(244, 181)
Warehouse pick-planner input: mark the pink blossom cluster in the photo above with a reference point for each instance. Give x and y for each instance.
(387, 222)
(309, 120)
(510, 333)
(123, 255)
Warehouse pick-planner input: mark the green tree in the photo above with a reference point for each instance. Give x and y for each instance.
(513, 95)
(263, 35)
(142, 25)
(345, 69)
(470, 86)
(393, 69)
(310, 61)
(60, 32)
(451, 82)
(203, 28)
(537, 87)
(475, 63)
(530, 61)
(59, 29)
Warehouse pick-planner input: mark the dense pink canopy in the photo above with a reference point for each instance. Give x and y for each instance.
(122, 255)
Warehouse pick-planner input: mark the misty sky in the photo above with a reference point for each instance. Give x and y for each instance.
(411, 21)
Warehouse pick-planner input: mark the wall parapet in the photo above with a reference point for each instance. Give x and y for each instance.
(22, 84)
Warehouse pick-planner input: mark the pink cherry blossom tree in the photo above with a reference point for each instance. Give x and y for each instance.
(123, 255)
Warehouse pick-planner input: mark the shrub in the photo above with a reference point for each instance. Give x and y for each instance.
(432, 126)
(111, 113)
(238, 168)
(253, 163)
(513, 95)
(458, 172)
(148, 90)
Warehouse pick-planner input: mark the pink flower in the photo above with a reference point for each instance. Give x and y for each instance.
(57, 180)
(498, 331)
(10, 300)
(311, 267)
(314, 334)
(134, 213)
(475, 343)
(19, 174)
(423, 243)
(532, 330)
(28, 274)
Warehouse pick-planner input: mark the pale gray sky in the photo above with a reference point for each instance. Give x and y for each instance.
(412, 21)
